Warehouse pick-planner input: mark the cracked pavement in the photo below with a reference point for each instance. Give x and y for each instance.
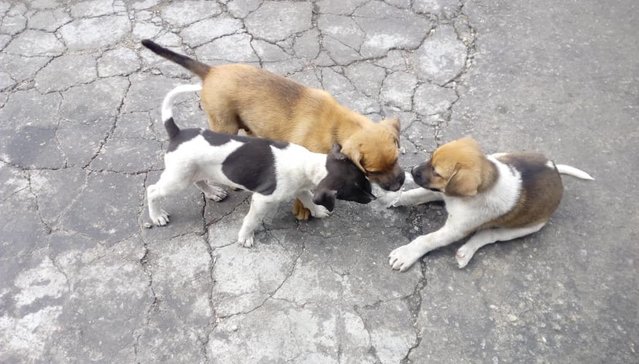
(80, 139)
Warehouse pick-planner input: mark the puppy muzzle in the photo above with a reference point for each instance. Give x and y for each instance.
(418, 176)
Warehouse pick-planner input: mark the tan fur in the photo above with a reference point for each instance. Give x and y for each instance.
(463, 170)
(266, 105)
(238, 96)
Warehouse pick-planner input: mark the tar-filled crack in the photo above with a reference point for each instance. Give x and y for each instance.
(204, 339)
(46, 225)
(274, 292)
(113, 126)
(415, 304)
(371, 350)
(143, 261)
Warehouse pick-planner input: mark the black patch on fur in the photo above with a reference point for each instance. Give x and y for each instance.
(344, 181)
(253, 166)
(184, 135)
(171, 128)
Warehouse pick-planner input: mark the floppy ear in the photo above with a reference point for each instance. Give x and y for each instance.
(351, 150)
(464, 182)
(325, 198)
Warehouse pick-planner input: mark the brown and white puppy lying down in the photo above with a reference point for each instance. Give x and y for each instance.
(498, 197)
(237, 96)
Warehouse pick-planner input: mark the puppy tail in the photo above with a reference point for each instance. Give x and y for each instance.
(199, 68)
(572, 171)
(167, 108)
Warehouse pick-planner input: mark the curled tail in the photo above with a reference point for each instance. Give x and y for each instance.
(197, 67)
(572, 171)
(167, 107)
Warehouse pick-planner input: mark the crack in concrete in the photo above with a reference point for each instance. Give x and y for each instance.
(371, 350)
(211, 267)
(415, 304)
(274, 292)
(113, 126)
(414, 298)
(48, 229)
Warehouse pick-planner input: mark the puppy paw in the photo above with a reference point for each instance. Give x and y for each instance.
(161, 219)
(300, 212)
(463, 256)
(320, 212)
(390, 199)
(246, 242)
(403, 257)
(216, 194)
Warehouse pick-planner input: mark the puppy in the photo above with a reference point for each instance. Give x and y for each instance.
(274, 171)
(237, 96)
(497, 198)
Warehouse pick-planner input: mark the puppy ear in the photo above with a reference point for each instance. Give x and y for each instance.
(463, 183)
(351, 150)
(325, 198)
(393, 123)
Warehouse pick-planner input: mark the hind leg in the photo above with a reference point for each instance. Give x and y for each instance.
(171, 181)
(484, 237)
(222, 121)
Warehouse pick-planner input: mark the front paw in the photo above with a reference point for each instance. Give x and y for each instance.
(320, 212)
(160, 219)
(403, 257)
(390, 199)
(246, 241)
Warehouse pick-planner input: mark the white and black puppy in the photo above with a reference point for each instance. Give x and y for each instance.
(274, 171)
(498, 197)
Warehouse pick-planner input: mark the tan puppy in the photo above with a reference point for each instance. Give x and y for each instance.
(497, 198)
(237, 96)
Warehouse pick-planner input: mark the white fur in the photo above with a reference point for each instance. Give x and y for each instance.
(167, 104)
(297, 172)
(465, 214)
(572, 171)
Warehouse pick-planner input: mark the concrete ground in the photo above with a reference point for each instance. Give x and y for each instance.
(80, 138)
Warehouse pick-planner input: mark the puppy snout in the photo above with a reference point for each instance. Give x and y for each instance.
(416, 172)
(398, 183)
(418, 175)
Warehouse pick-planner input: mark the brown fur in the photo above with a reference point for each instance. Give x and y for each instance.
(460, 168)
(237, 96)
(540, 195)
